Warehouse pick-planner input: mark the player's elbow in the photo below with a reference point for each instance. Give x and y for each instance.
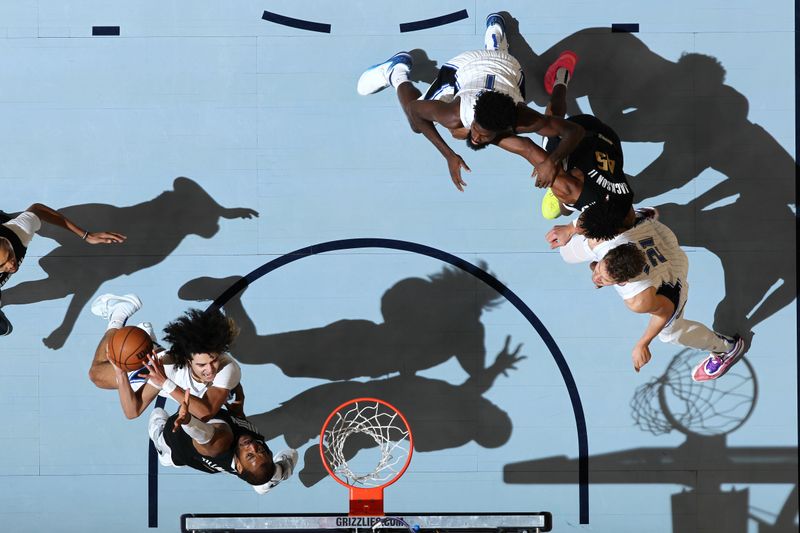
(36, 208)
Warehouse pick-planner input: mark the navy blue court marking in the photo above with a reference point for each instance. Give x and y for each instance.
(508, 294)
(296, 23)
(435, 21)
(152, 476)
(105, 30)
(625, 28)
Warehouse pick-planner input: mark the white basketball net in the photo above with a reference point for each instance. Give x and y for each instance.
(383, 425)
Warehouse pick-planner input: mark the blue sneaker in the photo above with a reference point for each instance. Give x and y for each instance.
(377, 77)
(495, 36)
(496, 19)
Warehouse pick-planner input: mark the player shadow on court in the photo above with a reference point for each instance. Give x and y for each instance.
(441, 415)
(154, 229)
(425, 323)
(703, 126)
(706, 413)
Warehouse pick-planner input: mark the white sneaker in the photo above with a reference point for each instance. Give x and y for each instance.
(148, 327)
(376, 78)
(285, 462)
(495, 36)
(155, 429)
(107, 304)
(155, 424)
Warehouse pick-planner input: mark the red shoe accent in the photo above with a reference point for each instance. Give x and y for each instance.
(567, 60)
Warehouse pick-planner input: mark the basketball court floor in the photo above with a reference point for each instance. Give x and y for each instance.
(218, 138)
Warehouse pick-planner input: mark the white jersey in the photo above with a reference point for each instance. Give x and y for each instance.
(24, 226)
(481, 70)
(667, 266)
(228, 376)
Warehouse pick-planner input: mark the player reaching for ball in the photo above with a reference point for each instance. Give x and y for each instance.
(197, 361)
(17, 232)
(222, 444)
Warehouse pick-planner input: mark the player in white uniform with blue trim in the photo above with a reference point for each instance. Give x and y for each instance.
(197, 361)
(479, 97)
(649, 270)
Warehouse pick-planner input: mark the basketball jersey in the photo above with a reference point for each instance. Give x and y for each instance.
(19, 231)
(228, 376)
(469, 74)
(183, 452)
(599, 157)
(667, 266)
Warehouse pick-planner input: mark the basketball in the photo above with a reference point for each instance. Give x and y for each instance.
(129, 347)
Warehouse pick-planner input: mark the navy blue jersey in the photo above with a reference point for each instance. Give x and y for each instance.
(185, 454)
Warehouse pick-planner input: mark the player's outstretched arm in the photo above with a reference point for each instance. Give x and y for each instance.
(50, 215)
(660, 309)
(422, 114)
(208, 439)
(571, 134)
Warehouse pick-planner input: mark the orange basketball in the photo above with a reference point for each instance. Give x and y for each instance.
(129, 347)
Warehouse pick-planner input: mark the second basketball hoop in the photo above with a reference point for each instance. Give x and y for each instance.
(362, 424)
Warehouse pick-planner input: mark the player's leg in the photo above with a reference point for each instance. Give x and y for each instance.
(117, 310)
(724, 351)
(556, 80)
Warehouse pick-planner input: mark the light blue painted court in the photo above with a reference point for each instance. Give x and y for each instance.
(223, 136)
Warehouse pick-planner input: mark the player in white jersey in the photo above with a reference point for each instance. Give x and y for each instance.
(197, 361)
(649, 270)
(479, 97)
(17, 232)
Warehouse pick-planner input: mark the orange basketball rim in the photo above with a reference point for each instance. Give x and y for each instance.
(376, 423)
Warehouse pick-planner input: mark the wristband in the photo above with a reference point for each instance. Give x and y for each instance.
(168, 386)
(85, 234)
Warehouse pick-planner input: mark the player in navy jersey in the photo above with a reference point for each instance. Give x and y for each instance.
(223, 444)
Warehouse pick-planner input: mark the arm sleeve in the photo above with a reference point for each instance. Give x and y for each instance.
(577, 250)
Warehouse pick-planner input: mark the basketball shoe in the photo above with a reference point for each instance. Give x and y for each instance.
(566, 60)
(113, 307)
(378, 77)
(495, 36)
(717, 364)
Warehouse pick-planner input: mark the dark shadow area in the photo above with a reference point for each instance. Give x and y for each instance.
(425, 69)
(703, 124)
(706, 413)
(425, 323)
(441, 415)
(154, 228)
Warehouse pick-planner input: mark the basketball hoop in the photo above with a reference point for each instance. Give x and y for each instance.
(373, 423)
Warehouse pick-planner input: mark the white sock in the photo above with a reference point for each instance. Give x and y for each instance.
(199, 431)
(116, 323)
(399, 74)
(562, 77)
